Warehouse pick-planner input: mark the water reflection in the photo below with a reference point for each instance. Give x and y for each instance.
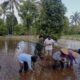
(49, 74)
(72, 44)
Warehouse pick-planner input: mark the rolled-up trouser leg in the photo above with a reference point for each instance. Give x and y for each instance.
(62, 64)
(21, 67)
(25, 66)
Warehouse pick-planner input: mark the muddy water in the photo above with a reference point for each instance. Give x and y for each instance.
(72, 44)
(10, 66)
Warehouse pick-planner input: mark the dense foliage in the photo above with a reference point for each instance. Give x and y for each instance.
(11, 21)
(46, 17)
(51, 21)
(3, 28)
(28, 13)
(19, 29)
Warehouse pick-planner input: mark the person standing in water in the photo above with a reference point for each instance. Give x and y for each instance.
(48, 43)
(39, 46)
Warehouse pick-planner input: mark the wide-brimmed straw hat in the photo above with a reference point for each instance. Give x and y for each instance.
(75, 54)
(64, 51)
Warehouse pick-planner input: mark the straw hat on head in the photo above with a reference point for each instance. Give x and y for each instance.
(64, 51)
(75, 54)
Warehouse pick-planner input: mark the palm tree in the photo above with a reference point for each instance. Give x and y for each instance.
(0, 10)
(75, 18)
(28, 13)
(3, 9)
(10, 7)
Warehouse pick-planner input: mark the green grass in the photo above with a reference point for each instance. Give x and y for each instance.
(33, 38)
(30, 38)
(71, 37)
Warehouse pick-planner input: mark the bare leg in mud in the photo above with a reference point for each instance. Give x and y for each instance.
(21, 67)
(48, 57)
(26, 76)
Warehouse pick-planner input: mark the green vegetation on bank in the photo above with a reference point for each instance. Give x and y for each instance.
(71, 37)
(38, 17)
(44, 17)
(51, 20)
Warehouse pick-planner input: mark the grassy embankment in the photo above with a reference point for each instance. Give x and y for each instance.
(71, 37)
(25, 38)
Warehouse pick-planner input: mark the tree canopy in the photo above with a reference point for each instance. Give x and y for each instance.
(3, 28)
(11, 21)
(51, 19)
(75, 18)
(28, 13)
(45, 17)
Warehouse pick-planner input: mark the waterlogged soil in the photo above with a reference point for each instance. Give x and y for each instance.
(10, 66)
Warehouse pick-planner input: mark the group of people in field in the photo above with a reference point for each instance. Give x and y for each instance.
(61, 59)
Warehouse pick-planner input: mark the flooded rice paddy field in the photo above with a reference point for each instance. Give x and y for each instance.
(9, 66)
(9, 71)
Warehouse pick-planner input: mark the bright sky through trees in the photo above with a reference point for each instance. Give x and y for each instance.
(72, 6)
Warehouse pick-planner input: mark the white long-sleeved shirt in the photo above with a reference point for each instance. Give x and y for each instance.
(48, 44)
(27, 58)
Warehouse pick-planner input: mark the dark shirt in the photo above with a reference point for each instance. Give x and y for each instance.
(79, 51)
(71, 57)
